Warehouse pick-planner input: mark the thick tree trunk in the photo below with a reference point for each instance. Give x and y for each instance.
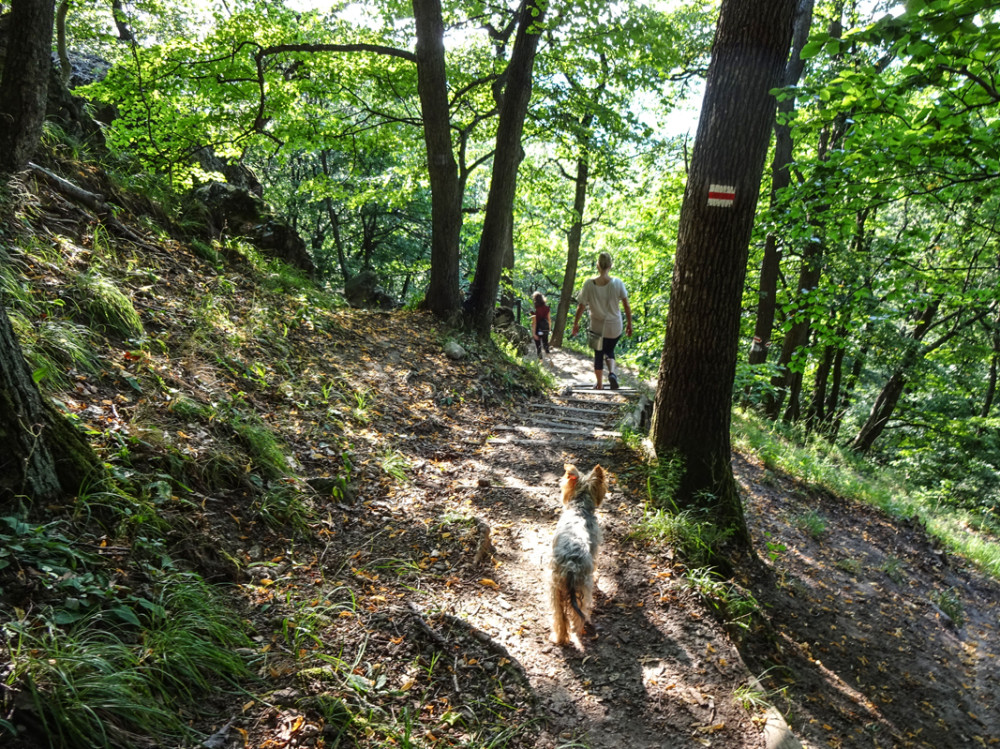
(694, 394)
(572, 250)
(443, 297)
(780, 179)
(507, 271)
(498, 222)
(44, 455)
(25, 81)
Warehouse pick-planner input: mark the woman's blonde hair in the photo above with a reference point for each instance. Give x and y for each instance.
(604, 261)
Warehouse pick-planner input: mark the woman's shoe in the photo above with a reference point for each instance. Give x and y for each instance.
(613, 380)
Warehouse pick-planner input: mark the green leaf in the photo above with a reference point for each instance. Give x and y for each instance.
(811, 49)
(126, 615)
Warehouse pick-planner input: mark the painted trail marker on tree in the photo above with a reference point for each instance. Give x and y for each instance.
(721, 195)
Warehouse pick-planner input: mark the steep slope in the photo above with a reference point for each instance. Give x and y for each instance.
(350, 491)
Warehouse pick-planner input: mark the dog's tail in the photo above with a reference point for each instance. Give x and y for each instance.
(573, 603)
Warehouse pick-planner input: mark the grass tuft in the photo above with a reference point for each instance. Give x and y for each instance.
(107, 307)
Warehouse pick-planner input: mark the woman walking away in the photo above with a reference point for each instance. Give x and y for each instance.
(541, 322)
(601, 295)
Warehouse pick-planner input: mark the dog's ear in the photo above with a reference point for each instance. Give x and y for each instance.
(569, 482)
(598, 482)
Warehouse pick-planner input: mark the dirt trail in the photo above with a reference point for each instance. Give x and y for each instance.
(453, 641)
(655, 671)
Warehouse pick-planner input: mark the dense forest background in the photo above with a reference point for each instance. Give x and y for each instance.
(435, 162)
(870, 312)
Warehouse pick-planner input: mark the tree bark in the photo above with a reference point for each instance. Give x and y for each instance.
(443, 298)
(25, 82)
(65, 68)
(694, 394)
(816, 413)
(767, 289)
(44, 455)
(498, 222)
(882, 410)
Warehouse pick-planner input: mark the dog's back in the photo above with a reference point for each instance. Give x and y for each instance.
(578, 537)
(574, 551)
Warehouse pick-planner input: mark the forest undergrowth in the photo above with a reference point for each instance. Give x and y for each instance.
(301, 534)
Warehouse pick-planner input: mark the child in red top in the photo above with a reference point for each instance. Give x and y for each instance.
(541, 323)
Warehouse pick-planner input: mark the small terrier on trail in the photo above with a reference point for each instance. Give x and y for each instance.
(574, 553)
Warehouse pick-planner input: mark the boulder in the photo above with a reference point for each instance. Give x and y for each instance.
(363, 290)
(237, 211)
(454, 351)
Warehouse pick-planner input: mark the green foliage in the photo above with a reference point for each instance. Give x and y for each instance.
(694, 535)
(732, 603)
(662, 480)
(753, 697)
(948, 601)
(284, 507)
(692, 532)
(893, 568)
(264, 448)
(61, 564)
(106, 306)
(815, 463)
(187, 645)
(812, 523)
(396, 465)
(54, 348)
(304, 627)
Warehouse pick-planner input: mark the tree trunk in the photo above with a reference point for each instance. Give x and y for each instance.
(25, 82)
(44, 455)
(66, 69)
(991, 383)
(572, 250)
(833, 392)
(888, 398)
(698, 366)
(857, 367)
(788, 384)
(121, 22)
(780, 178)
(443, 296)
(880, 414)
(507, 271)
(816, 413)
(498, 222)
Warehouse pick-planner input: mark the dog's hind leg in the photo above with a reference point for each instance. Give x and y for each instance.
(586, 596)
(559, 605)
(578, 617)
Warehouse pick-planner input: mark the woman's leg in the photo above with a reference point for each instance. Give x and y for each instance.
(599, 367)
(608, 350)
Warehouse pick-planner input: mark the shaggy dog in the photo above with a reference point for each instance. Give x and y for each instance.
(574, 551)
